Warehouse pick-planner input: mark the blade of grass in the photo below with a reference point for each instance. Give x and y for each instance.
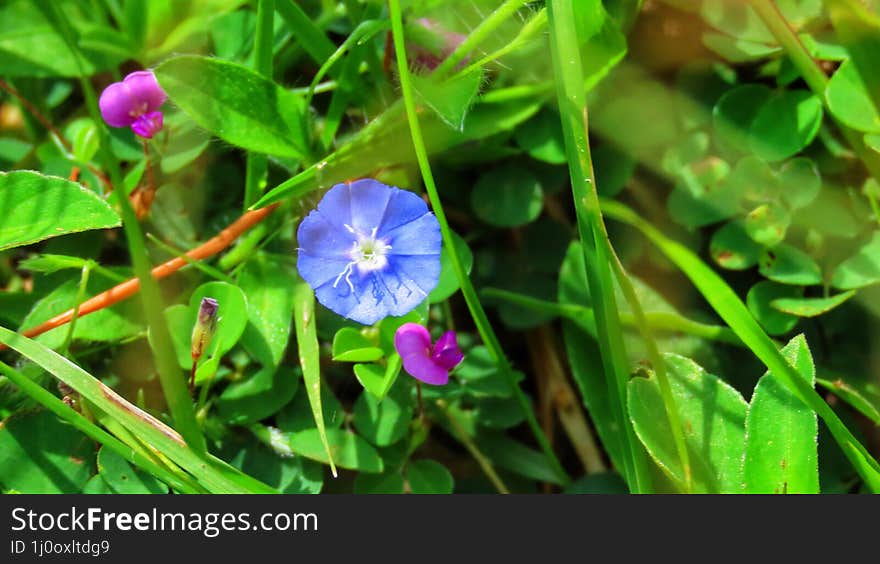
(257, 165)
(309, 357)
(80, 296)
(170, 376)
(586, 317)
(733, 311)
(181, 483)
(213, 474)
(598, 256)
(486, 28)
(467, 289)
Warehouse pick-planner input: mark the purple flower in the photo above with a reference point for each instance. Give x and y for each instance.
(134, 103)
(420, 360)
(369, 250)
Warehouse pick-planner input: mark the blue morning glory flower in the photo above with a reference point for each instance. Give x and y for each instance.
(369, 250)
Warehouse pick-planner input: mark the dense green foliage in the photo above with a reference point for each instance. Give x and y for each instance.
(661, 250)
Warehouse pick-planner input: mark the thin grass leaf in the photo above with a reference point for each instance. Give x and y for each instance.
(309, 359)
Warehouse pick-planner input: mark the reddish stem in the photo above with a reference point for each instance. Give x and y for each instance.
(131, 287)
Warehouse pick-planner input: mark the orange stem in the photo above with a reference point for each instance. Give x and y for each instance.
(130, 287)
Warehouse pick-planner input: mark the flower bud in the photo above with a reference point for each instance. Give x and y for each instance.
(205, 327)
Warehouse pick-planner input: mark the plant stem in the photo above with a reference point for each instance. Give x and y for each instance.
(170, 376)
(465, 439)
(586, 317)
(467, 289)
(130, 287)
(478, 35)
(257, 165)
(812, 75)
(598, 253)
(80, 295)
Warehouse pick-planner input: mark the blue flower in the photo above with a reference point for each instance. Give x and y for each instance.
(370, 250)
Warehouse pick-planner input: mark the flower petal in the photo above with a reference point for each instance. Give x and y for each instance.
(446, 352)
(418, 237)
(317, 271)
(425, 369)
(148, 125)
(410, 279)
(403, 207)
(413, 343)
(412, 338)
(319, 237)
(116, 105)
(145, 90)
(364, 301)
(335, 206)
(369, 201)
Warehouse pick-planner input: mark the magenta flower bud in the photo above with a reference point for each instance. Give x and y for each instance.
(429, 364)
(134, 103)
(205, 327)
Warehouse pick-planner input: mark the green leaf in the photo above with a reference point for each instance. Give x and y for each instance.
(384, 422)
(810, 307)
(258, 395)
(498, 413)
(350, 345)
(452, 98)
(800, 182)
(713, 416)
(759, 298)
(429, 477)
(862, 393)
(34, 207)
(310, 362)
(730, 307)
(39, 454)
(735, 111)
(288, 474)
(31, 46)
(785, 124)
(211, 473)
(237, 104)
(738, 50)
(789, 265)
(508, 196)
(376, 379)
(347, 449)
(480, 377)
(297, 415)
(121, 478)
(515, 456)
(781, 432)
(83, 135)
(860, 270)
(849, 101)
(541, 137)
(732, 248)
(768, 223)
(265, 280)
(447, 285)
(385, 483)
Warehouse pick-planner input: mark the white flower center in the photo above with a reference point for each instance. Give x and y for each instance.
(368, 253)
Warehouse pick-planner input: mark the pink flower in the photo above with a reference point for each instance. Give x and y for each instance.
(134, 103)
(429, 364)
